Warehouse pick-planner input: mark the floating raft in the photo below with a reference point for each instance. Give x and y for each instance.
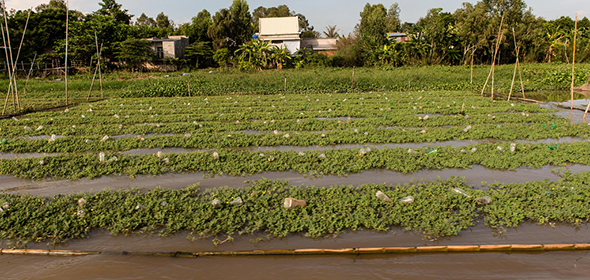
(343, 251)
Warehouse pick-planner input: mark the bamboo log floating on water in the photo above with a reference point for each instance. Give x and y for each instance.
(524, 248)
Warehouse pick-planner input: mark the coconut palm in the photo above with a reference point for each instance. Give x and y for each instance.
(331, 31)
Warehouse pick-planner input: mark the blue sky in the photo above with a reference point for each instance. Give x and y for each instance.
(320, 13)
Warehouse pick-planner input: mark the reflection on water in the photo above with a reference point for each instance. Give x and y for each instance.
(474, 176)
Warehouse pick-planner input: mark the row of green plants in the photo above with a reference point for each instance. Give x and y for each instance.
(329, 162)
(438, 209)
(313, 80)
(200, 138)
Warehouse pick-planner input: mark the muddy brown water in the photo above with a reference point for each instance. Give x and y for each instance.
(455, 143)
(474, 176)
(509, 265)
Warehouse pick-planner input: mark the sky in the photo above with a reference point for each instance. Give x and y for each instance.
(320, 13)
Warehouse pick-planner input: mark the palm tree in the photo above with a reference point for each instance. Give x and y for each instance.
(331, 31)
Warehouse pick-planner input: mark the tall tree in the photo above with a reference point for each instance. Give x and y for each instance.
(393, 21)
(372, 31)
(232, 27)
(135, 52)
(146, 21)
(197, 29)
(113, 9)
(163, 22)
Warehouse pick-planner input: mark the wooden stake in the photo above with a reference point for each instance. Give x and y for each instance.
(285, 84)
(574, 67)
(29, 75)
(188, 84)
(352, 85)
(66, 65)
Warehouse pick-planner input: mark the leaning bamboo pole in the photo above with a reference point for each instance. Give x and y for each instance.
(99, 67)
(66, 64)
(16, 61)
(29, 75)
(8, 70)
(574, 65)
(515, 64)
(10, 52)
(94, 77)
(494, 58)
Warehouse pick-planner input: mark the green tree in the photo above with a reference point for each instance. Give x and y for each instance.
(221, 57)
(113, 9)
(135, 52)
(438, 32)
(197, 29)
(198, 52)
(393, 21)
(144, 20)
(231, 27)
(163, 22)
(372, 31)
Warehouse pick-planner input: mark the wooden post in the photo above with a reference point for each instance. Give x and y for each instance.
(352, 85)
(285, 84)
(188, 84)
(574, 66)
(66, 65)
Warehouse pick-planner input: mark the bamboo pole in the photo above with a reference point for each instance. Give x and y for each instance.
(7, 70)
(494, 58)
(515, 64)
(66, 65)
(16, 61)
(10, 52)
(445, 249)
(574, 65)
(98, 52)
(29, 75)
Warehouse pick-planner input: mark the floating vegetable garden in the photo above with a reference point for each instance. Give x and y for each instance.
(220, 134)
